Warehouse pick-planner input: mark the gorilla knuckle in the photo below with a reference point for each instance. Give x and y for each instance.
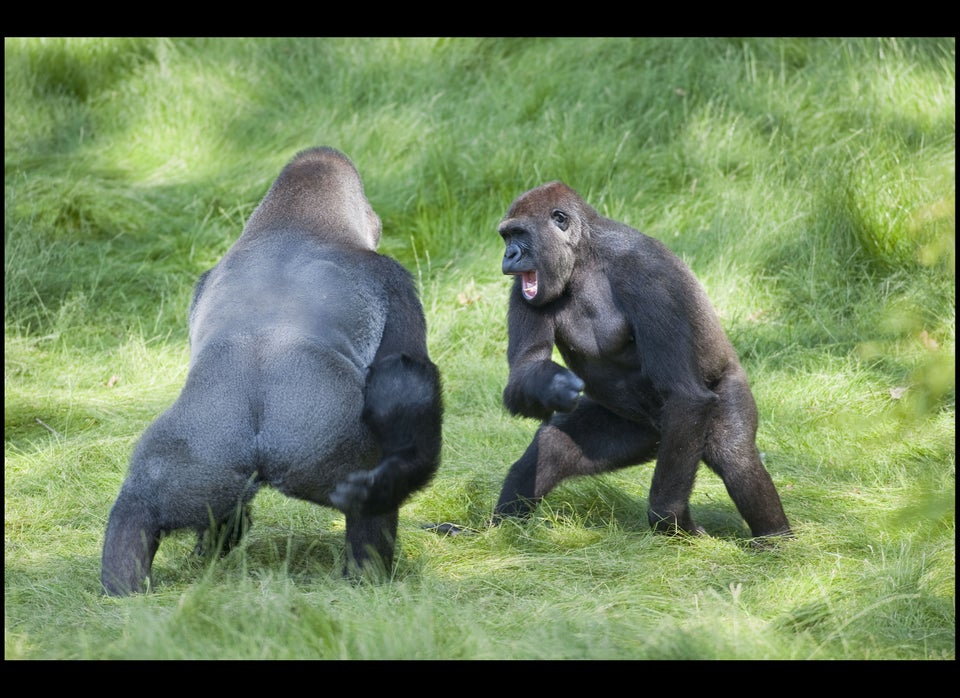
(563, 391)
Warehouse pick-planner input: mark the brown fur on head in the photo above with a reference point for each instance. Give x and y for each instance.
(543, 231)
(319, 191)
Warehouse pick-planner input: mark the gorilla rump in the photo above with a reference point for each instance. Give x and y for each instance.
(309, 372)
(650, 373)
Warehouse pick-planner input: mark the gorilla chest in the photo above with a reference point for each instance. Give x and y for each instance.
(589, 332)
(601, 349)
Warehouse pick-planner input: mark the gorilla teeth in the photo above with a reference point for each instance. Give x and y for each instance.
(529, 284)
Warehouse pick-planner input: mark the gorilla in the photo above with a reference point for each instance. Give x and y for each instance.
(649, 372)
(309, 372)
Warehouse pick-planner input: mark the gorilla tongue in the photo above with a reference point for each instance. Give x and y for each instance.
(529, 284)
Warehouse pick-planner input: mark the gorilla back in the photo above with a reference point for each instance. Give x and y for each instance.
(309, 372)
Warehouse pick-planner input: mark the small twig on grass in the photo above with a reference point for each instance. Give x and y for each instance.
(47, 426)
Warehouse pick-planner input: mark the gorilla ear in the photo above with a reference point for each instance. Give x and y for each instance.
(560, 219)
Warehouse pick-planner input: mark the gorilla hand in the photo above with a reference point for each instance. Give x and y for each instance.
(563, 392)
(541, 388)
(369, 492)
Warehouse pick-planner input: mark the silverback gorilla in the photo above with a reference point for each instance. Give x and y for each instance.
(309, 372)
(658, 376)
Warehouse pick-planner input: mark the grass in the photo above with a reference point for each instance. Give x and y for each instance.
(810, 183)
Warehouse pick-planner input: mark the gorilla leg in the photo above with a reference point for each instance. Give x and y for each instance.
(370, 545)
(179, 477)
(224, 535)
(684, 419)
(731, 452)
(587, 441)
(132, 539)
(134, 530)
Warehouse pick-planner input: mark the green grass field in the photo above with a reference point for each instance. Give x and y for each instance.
(809, 183)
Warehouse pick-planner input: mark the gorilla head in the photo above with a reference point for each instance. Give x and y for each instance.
(320, 191)
(543, 250)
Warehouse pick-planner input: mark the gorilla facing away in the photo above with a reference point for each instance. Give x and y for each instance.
(650, 374)
(309, 372)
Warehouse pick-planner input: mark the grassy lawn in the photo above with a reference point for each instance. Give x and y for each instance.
(809, 183)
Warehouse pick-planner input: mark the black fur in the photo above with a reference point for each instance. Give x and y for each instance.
(651, 374)
(309, 372)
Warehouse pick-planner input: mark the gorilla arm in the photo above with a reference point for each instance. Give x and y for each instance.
(402, 407)
(537, 386)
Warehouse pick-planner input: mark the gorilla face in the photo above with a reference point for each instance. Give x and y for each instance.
(541, 231)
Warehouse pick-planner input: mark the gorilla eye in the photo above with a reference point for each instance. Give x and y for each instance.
(561, 219)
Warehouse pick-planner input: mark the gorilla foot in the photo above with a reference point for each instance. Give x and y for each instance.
(671, 525)
(674, 531)
(769, 541)
(221, 537)
(447, 529)
(513, 507)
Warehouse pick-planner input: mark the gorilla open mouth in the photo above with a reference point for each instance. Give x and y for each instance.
(528, 281)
